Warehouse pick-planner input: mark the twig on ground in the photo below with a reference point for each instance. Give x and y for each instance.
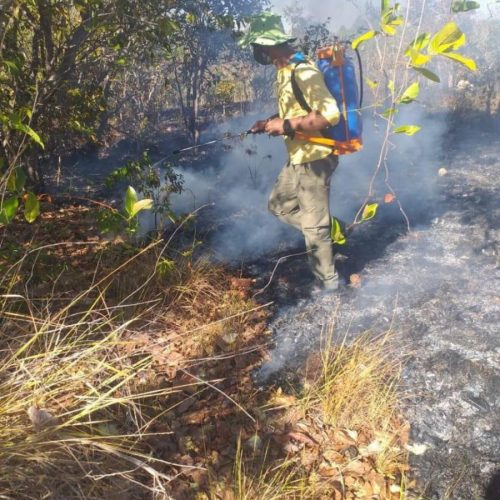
(278, 263)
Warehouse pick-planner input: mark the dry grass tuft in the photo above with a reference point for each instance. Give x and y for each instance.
(92, 344)
(342, 437)
(352, 385)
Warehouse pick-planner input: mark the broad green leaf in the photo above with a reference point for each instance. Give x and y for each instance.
(31, 208)
(130, 200)
(369, 211)
(26, 111)
(11, 182)
(449, 37)
(468, 63)
(464, 6)
(12, 66)
(417, 58)
(428, 74)
(407, 129)
(419, 43)
(16, 181)
(410, 94)
(390, 28)
(389, 112)
(146, 204)
(18, 125)
(20, 180)
(337, 233)
(363, 38)
(371, 83)
(390, 20)
(8, 209)
(384, 5)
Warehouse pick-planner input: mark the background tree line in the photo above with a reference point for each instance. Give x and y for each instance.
(74, 71)
(80, 73)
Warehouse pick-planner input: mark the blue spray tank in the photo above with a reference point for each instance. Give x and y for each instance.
(340, 78)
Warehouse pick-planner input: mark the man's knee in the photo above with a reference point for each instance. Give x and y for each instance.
(317, 235)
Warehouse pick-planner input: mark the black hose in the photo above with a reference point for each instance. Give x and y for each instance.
(361, 87)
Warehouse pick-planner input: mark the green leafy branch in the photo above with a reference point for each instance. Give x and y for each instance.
(15, 195)
(445, 43)
(153, 182)
(15, 121)
(420, 52)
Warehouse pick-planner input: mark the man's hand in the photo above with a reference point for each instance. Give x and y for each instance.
(259, 127)
(275, 127)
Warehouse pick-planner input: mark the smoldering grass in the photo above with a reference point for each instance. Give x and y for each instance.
(354, 386)
(349, 394)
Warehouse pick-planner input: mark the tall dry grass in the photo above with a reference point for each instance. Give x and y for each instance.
(87, 368)
(78, 395)
(348, 414)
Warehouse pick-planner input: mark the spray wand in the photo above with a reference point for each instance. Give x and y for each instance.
(226, 137)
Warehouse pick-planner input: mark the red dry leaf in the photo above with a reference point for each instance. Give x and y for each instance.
(389, 198)
(355, 280)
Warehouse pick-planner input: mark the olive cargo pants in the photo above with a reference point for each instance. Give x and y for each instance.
(301, 198)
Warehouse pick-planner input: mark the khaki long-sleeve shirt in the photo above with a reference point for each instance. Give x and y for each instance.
(312, 84)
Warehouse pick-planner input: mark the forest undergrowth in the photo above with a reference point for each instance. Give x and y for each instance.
(125, 372)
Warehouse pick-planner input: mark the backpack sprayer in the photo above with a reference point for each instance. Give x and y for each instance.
(340, 79)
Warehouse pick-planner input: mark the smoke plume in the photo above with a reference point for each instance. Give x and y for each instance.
(238, 182)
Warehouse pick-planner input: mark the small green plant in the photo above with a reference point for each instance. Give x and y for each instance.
(155, 183)
(15, 195)
(13, 192)
(115, 221)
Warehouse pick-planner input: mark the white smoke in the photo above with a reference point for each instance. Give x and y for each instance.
(238, 184)
(239, 181)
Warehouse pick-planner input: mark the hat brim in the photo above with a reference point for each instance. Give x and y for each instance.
(268, 40)
(271, 41)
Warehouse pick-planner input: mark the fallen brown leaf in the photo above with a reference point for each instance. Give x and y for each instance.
(302, 438)
(326, 470)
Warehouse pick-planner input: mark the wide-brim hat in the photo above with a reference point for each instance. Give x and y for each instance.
(265, 29)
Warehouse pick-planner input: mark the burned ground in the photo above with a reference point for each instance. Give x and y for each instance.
(438, 289)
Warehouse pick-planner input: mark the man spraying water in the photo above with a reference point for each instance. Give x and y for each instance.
(300, 196)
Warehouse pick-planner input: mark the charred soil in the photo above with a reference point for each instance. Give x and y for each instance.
(437, 287)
